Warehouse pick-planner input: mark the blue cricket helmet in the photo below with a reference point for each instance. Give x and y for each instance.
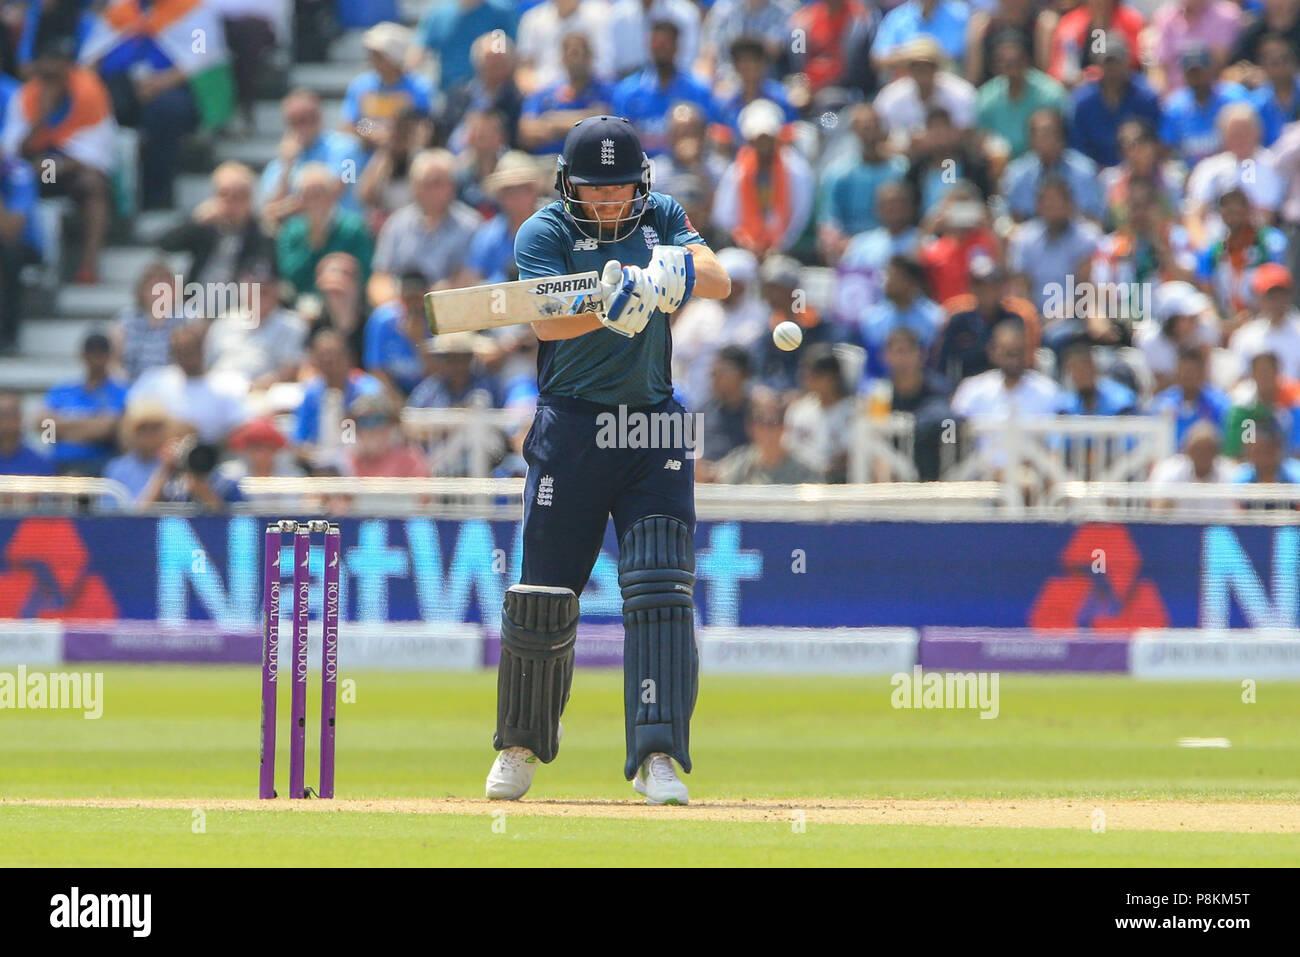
(603, 151)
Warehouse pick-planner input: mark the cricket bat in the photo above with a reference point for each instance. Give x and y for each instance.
(513, 303)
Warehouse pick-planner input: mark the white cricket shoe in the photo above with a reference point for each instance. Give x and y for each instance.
(657, 779)
(512, 773)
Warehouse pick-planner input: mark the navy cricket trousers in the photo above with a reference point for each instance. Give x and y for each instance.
(574, 486)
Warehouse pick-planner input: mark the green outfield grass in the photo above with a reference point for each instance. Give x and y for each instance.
(192, 734)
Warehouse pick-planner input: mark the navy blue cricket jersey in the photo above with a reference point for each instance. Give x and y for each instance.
(603, 366)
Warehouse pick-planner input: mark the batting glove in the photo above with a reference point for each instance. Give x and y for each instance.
(672, 270)
(630, 298)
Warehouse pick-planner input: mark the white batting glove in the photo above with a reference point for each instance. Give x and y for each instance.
(630, 298)
(673, 271)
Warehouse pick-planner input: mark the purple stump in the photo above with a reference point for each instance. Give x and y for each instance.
(298, 704)
(329, 662)
(270, 656)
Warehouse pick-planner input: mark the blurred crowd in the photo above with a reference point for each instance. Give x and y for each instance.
(973, 210)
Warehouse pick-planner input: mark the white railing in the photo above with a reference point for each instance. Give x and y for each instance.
(882, 449)
(502, 498)
(20, 493)
(1206, 502)
(464, 441)
(1031, 455)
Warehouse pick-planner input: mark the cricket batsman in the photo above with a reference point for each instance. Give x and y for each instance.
(651, 260)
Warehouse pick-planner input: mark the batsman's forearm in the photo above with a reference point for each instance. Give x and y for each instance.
(569, 327)
(711, 280)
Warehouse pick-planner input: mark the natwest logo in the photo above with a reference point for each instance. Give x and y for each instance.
(46, 574)
(1100, 588)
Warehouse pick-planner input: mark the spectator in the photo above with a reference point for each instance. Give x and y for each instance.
(377, 97)
(727, 21)
(945, 21)
(318, 433)
(143, 433)
(905, 306)
(703, 327)
(305, 143)
(1277, 329)
(689, 164)
(904, 104)
(1101, 106)
(1277, 98)
(17, 456)
(1049, 158)
(20, 243)
(211, 403)
(142, 332)
(764, 459)
(321, 227)
(260, 452)
(1141, 152)
(1191, 398)
(917, 391)
(455, 377)
(632, 24)
(1090, 393)
(1010, 389)
(545, 31)
(1053, 248)
(962, 349)
(847, 197)
(1267, 462)
(819, 422)
(385, 185)
(1244, 164)
(1272, 16)
(186, 475)
(1005, 104)
(646, 97)
(396, 335)
(1189, 128)
(1228, 265)
(340, 305)
(1075, 53)
(943, 158)
(448, 31)
(1183, 319)
(61, 120)
(257, 340)
(1182, 25)
(752, 67)
(765, 198)
(161, 81)
(1255, 400)
(251, 29)
(780, 282)
(1285, 157)
(1030, 23)
(1199, 463)
(860, 272)
(380, 451)
(484, 146)
(84, 414)
(1148, 248)
(222, 236)
(515, 189)
(551, 109)
(430, 236)
(492, 89)
(727, 406)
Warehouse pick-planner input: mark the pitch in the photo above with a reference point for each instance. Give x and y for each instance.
(1076, 771)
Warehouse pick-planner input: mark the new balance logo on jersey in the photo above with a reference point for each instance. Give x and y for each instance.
(651, 236)
(674, 465)
(585, 245)
(606, 152)
(545, 486)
